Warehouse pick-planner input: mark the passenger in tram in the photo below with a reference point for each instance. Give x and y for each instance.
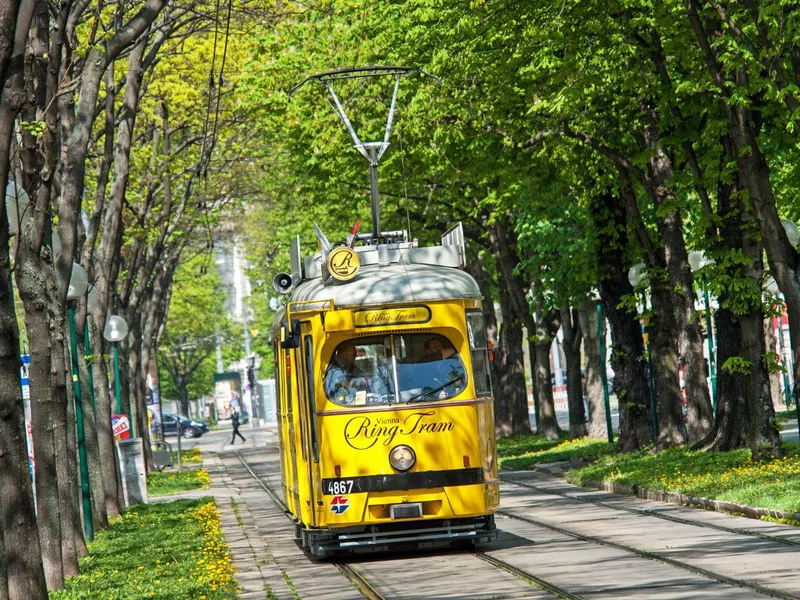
(436, 349)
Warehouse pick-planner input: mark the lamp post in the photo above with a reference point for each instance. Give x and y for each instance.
(115, 331)
(78, 282)
(697, 261)
(636, 275)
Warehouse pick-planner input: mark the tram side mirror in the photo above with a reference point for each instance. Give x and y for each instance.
(282, 283)
(290, 336)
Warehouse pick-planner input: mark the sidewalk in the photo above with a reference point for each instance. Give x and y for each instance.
(269, 564)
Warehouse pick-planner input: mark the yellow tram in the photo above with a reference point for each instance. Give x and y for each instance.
(385, 408)
(385, 405)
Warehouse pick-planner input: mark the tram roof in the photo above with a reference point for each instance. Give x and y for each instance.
(391, 284)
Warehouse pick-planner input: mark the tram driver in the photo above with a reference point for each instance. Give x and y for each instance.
(345, 383)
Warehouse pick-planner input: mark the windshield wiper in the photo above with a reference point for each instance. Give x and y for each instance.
(439, 389)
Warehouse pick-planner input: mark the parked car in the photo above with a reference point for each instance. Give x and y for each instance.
(189, 427)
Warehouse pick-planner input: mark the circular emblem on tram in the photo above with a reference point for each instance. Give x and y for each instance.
(343, 263)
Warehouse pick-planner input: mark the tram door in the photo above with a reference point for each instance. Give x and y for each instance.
(306, 400)
(280, 411)
(288, 439)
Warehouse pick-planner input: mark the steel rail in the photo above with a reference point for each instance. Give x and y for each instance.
(741, 583)
(652, 513)
(359, 581)
(532, 579)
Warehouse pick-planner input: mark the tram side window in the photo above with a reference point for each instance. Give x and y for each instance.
(394, 368)
(479, 351)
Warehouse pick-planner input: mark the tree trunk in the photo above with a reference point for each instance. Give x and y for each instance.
(664, 358)
(21, 572)
(595, 395)
(73, 543)
(754, 170)
(137, 400)
(183, 393)
(22, 558)
(630, 371)
(32, 288)
(105, 437)
(546, 327)
(680, 294)
(572, 351)
(745, 415)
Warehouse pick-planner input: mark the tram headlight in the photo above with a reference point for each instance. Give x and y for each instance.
(402, 458)
(489, 453)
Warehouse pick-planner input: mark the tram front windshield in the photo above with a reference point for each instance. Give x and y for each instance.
(389, 369)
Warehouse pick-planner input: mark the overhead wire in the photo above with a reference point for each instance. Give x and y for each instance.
(210, 85)
(221, 82)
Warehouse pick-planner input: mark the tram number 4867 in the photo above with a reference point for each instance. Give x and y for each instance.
(339, 486)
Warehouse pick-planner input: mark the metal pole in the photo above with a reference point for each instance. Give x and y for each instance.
(711, 361)
(651, 379)
(246, 330)
(219, 352)
(116, 378)
(84, 465)
(794, 391)
(87, 346)
(603, 375)
(373, 188)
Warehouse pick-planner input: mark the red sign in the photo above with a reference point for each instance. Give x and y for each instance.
(121, 427)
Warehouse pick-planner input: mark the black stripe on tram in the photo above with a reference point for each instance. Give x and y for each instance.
(404, 481)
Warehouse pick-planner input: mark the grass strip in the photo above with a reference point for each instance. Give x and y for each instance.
(525, 451)
(164, 551)
(191, 456)
(173, 482)
(728, 476)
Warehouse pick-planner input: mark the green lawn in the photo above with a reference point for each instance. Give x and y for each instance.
(525, 451)
(161, 483)
(165, 551)
(729, 476)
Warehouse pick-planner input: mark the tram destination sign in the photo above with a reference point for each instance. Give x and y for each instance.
(407, 315)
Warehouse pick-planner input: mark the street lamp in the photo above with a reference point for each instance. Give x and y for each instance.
(792, 232)
(636, 275)
(78, 282)
(697, 261)
(115, 331)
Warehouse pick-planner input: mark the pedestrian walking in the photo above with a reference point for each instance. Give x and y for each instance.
(235, 422)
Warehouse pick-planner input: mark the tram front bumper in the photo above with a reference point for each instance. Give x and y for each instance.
(407, 533)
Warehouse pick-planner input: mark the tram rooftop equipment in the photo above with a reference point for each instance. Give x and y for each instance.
(372, 151)
(383, 248)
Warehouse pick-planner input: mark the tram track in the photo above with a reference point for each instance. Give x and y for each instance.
(532, 579)
(656, 514)
(653, 556)
(360, 582)
(368, 590)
